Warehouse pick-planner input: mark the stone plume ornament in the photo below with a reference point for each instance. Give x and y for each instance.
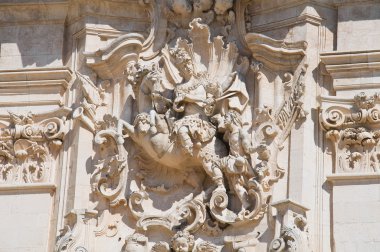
(187, 158)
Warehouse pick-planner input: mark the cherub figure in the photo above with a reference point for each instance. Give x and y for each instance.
(238, 139)
(236, 164)
(182, 241)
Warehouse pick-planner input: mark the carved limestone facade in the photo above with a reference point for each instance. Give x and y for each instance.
(189, 125)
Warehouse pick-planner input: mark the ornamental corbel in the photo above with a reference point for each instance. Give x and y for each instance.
(242, 243)
(77, 234)
(291, 231)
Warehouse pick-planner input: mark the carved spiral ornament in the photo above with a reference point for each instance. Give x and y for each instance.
(219, 199)
(277, 245)
(374, 115)
(80, 249)
(28, 131)
(333, 118)
(52, 128)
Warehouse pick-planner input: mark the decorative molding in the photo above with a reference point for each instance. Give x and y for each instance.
(28, 150)
(46, 86)
(182, 97)
(242, 243)
(276, 54)
(48, 187)
(77, 235)
(353, 177)
(110, 61)
(354, 132)
(293, 234)
(290, 22)
(353, 70)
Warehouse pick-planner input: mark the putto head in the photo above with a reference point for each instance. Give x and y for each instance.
(183, 241)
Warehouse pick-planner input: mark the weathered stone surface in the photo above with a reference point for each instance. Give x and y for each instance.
(189, 125)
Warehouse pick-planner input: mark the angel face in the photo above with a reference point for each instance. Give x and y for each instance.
(183, 242)
(142, 123)
(221, 6)
(181, 245)
(202, 5)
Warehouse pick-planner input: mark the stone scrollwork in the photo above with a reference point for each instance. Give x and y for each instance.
(354, 133)
(76, 234)
(292, 238)
(93, 97)
(28, 149)
(191, 128)
(293, 233)
(109, 176)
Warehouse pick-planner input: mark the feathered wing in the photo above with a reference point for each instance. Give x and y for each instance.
(15, 118)
(91, 92)
(291, 108)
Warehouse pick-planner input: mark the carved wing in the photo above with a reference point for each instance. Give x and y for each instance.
(15, 118)
(91, 92)
(291, 108)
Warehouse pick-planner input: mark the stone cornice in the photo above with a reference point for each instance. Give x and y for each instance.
(276, 54)
(346, 177)
(289, 4)
(354, 60)
(35, 77)
(288, 204)
(48, 86)
(356, 69)
(304, 18)
(29, 188)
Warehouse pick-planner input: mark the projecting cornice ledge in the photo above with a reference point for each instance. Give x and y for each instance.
(353, 70)
(110, 62)
(276, 54)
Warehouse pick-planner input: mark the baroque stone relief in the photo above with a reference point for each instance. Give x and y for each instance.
(354, 133)
(29, 149)
(180, 147)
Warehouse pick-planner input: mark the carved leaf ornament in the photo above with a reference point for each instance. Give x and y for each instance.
(28, 150)
(191, 127)
(354, 133)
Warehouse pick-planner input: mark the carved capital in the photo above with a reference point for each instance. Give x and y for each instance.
(353, 128)
(29, 149)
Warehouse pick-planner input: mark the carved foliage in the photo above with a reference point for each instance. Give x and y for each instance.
(293, 238)
(191, 111)
(28, 149)
(355, 134)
